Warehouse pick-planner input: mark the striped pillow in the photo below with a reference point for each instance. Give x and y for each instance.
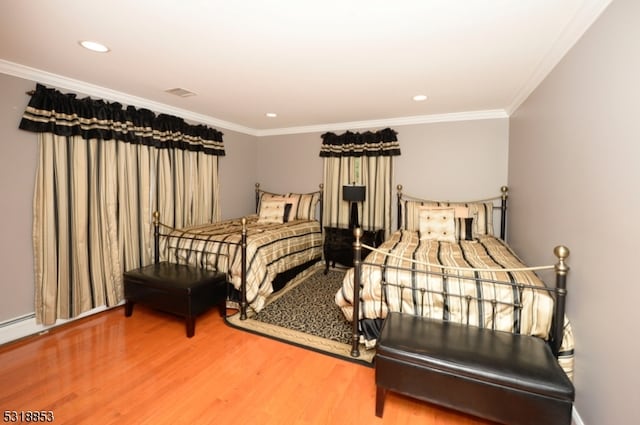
(306, 204)
(482, 213)
(483, 217)
(464, 228)
(410, 211)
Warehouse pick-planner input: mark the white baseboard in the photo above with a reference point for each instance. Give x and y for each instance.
(23, 326)
(577, 420)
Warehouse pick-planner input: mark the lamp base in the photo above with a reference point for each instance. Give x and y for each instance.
(353, 218)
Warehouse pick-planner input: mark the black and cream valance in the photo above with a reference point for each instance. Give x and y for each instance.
(379, 143)
(51, 111)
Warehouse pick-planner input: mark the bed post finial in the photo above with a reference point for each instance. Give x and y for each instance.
(504, 190)
(562, 252)
(357, 233)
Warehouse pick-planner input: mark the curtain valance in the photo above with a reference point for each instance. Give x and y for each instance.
(51, 111)
(379, 143)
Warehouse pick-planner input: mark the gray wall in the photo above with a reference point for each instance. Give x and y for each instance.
(238, 176)
(292, 162)
(574, 172)
(18, 157)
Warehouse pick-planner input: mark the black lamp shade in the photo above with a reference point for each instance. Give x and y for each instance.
(353, 193)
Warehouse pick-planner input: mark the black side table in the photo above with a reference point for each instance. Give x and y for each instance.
(338, 244)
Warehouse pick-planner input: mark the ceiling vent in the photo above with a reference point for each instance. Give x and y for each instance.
(180, 92)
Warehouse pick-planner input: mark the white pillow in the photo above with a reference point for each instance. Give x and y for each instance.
(288, 200)
(271, 211)
(437, 224)
(481, 212)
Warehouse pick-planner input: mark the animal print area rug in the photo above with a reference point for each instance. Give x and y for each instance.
(305, 314)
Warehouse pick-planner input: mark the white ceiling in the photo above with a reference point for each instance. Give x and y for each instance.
(319, 64)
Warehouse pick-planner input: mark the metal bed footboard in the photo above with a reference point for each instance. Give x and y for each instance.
(558, 291)
(206, 253)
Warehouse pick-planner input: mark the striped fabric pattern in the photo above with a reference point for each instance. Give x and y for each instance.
(482, 212)
(464, 229)
(414, 288)
(303, 205)
(306, 204)
(271, 249)
(376, 175)
(51, 111)
(380, 143)
(103, 169)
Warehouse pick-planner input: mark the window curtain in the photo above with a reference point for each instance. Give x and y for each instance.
(364, 159)
(102, 171)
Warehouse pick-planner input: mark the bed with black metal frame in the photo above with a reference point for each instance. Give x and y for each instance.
(462, 323)
(258, 256)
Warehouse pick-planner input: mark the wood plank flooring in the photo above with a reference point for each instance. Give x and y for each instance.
(108, 369)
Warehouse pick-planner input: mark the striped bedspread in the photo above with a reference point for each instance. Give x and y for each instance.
(421, 289)
(271, 249)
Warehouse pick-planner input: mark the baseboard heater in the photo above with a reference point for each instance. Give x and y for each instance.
(17, 320)
(25, 325)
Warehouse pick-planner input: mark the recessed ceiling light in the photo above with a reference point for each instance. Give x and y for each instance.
(271, 114)
(419, 97)
(94, 46)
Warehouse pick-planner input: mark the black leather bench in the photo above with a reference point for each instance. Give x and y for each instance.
(507, 378)
(179, 289)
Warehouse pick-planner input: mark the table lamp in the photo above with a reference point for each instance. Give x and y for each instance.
(353, 194)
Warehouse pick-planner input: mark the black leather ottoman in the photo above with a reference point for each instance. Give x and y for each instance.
(507, 378)
(175, 288)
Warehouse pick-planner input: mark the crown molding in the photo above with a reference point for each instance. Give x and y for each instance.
(418, 119)
(65, 83)
(70, 84)
(583, 19)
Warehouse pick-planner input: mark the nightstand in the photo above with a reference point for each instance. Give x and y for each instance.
(338, 244)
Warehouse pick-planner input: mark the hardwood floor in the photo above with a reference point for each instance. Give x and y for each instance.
(108, 369)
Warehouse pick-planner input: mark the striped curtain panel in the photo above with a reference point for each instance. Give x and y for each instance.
(102, 172)
(364, 159)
